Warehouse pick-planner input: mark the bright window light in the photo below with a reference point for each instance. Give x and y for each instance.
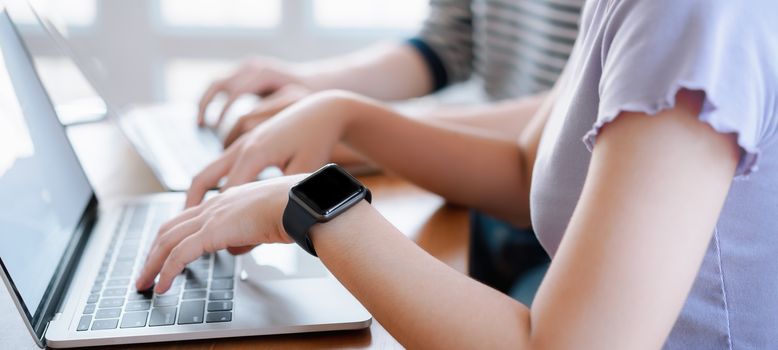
(76, 13)
(221, 13)
(381, 14)
(187, 79)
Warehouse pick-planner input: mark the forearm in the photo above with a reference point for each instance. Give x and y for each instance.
(392, 71)
(506, 119)
(466, 167)
(378, 265)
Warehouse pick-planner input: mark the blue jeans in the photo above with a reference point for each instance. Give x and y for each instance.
(506, 258)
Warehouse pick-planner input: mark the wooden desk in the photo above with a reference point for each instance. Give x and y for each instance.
(115, 169)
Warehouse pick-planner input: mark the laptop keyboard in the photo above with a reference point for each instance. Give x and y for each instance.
(194, 149)
(202, 293)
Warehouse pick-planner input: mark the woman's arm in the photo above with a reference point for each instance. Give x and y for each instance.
(388, 71)
(398, 67)
(447, 158)
(506, 120)
(653, 194)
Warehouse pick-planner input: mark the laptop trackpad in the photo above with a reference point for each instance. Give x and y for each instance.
(280, 261)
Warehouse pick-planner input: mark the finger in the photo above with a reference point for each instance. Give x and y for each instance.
(244, 170)
(161, 249)
(183, 216)
(300, 164)
(234, 95)
(240, 250)
(237, 130)
(190, 249)
(206, 100)
(209, 177)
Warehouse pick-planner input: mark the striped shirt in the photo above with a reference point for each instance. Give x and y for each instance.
(515, 47)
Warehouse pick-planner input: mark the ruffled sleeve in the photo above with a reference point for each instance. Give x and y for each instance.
(653, 49)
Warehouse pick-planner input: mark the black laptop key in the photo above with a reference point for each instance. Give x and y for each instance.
(105, 324)
(220, 295)
(114, 292)
(162, 316)
(222, 284)
(138, 305)
(134, 319)
(223, 265)
(89, 309)
(93, 298)
(219, 306)
(108, 313)
(83, 323)
(166, 300)
(194, 294)
(222, 316)
(112, 302)
(191, 312)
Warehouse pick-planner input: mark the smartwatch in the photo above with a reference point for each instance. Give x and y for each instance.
(320, 197)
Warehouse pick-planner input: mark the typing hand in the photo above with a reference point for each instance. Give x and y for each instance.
(242, 217)
(299, 139)
(261, 76)
(269, 107)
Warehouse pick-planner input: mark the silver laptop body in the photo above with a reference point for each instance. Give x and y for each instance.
(69, 260)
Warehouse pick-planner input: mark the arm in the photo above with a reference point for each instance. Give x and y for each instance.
(447, 158)
(653, 194)
(505, 120)
(302, 138)
(399, 68)
(654, 191)
(384, 72)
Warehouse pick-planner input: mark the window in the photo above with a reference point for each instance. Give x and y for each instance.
(75, 13)
(380, 14)
(221, 13)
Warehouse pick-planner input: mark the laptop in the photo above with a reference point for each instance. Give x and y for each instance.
(69, 259)
(166, 136)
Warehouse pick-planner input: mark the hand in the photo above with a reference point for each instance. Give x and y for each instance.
(299, 139)
(270, 106)
(261, 76)
(241, 218)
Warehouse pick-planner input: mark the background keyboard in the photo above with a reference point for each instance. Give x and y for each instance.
(202, 293)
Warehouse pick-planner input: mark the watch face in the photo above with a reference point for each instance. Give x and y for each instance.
(327, 190)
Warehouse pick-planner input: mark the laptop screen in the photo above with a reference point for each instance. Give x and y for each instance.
(44, 192)
(72, 93)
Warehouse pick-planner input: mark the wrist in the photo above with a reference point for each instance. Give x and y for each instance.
(341, 108)
(345, 230)
(318, 76)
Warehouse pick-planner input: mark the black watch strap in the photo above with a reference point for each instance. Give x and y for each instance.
(298, 221)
